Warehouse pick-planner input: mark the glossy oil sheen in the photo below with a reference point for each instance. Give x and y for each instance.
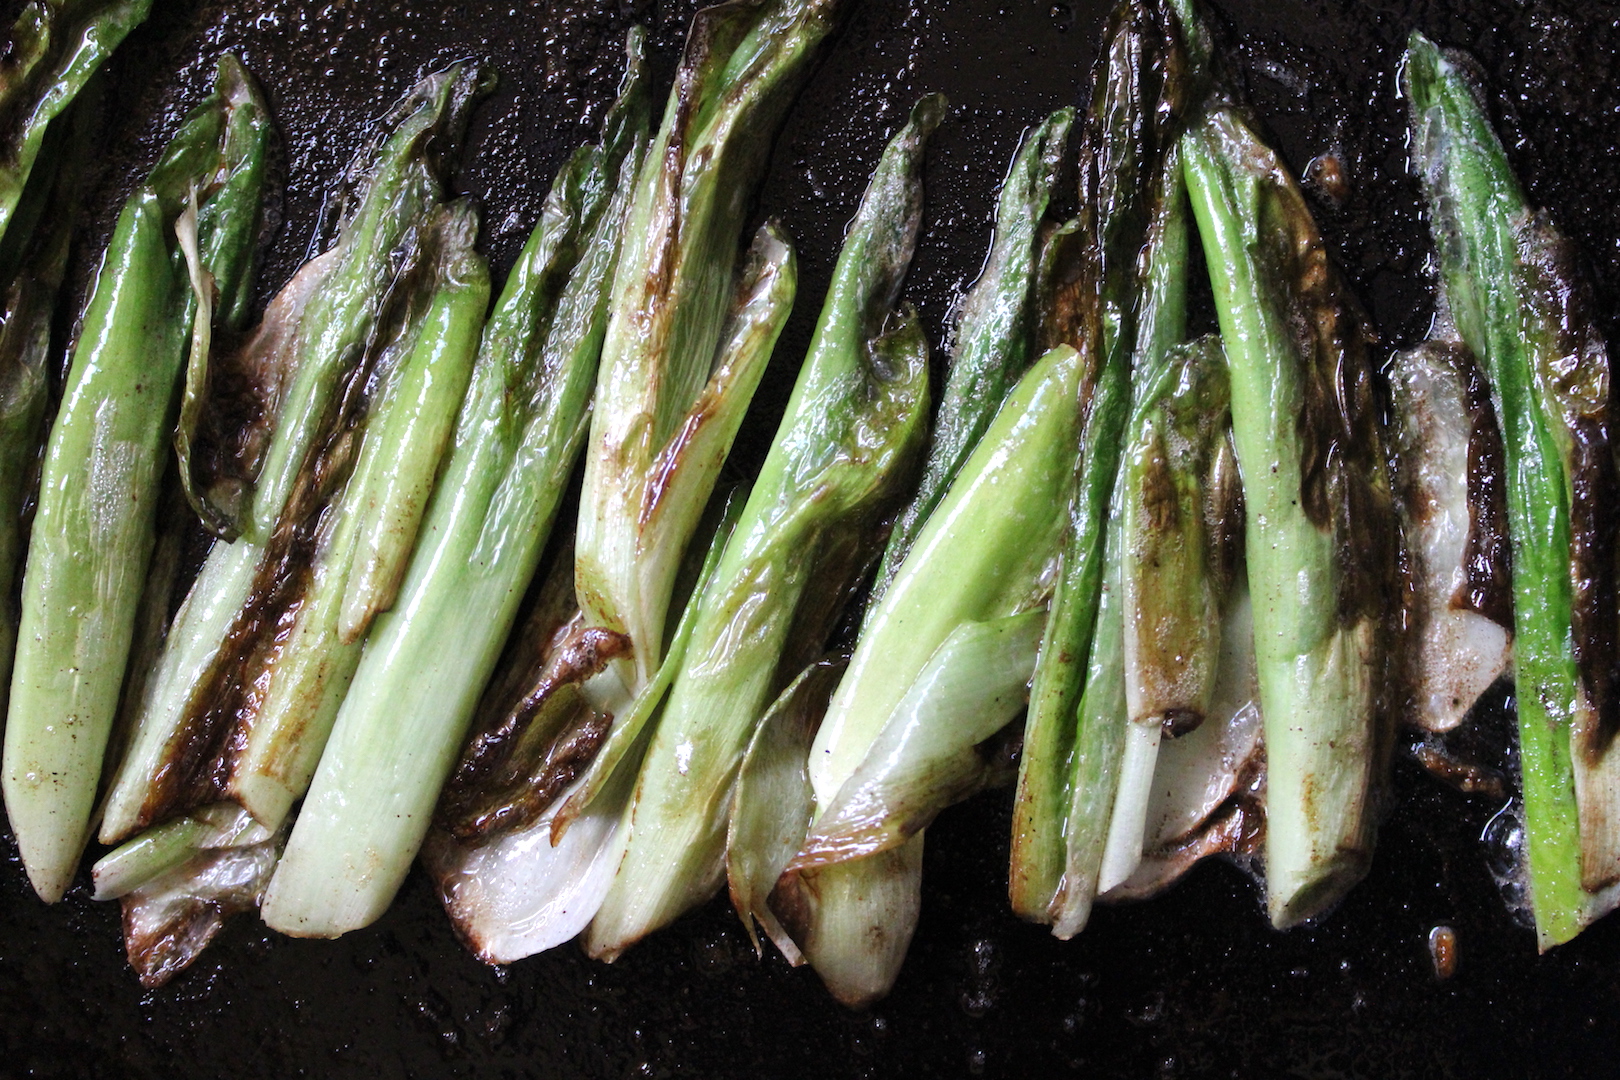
(1192, 985)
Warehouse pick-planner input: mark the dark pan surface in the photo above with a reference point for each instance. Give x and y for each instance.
(1193, 985)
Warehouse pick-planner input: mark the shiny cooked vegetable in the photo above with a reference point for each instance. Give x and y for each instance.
(329, 323)
(95, 522)
(1508, 281)
(516, 442)
(1143, 83)
(841, 456)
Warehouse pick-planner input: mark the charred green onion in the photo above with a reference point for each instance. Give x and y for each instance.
(104, 464)
(688, 338)
(27, 308)
(1519, 306)
(517, 439)
(1320, 538)
(1143, 83)
(327, 328)
(995, 338)
(985, 554)
(857, 413)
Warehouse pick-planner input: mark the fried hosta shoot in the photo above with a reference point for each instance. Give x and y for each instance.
(1205, 797)
(537, 879)
(772, 804)
(1091, 777)
(56, 47)
(986, 553)
(270, 709)
(995, 338)
(1180, 489)
(689, 336)
(27, 309)
(1509, 282)
(1319, 538)
(94, 525)
(389, 451)
(316, 332)
(427, 659)
(931, 752)
(1447, 453)
(1142, 83)
(839, 460)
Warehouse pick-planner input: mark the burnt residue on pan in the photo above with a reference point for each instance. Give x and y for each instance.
(1192, 984)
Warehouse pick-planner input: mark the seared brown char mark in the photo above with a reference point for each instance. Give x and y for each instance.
(1584, 391)
(534, 733)
(514, 769)
(1592, 525)
(224, 705)
(1487, 553)
(1343, 483)
(1225, 513)
(1345, 488)
(247, 376)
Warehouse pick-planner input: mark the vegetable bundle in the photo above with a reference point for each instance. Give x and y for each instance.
(1212, 566)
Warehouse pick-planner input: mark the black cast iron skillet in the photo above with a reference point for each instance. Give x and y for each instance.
(1195, 984)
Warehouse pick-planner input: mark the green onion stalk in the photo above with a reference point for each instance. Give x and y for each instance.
(367, 530)
(427, 659)
(995, 338)
(1148, 75)
(27, 309)
(1098, 744)
(841, 454)
(514, 880)
(56, 48)
(1508, 280)
(1174, 573)
(1320, 532)
(375, 466)
(94, 525)
(688, 338)
(318, 339)
(985, 554)
(55, 51)
(689, 333)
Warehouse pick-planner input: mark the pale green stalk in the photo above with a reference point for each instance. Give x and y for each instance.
(29, 308)
(1317, 543)
(995, 339)
(427, 659)
(319, 327)
(408, 425)
(858, 411)
(1142, 85)
(1509, 286)
(94, 525)
(1172, 588)
(984, 554)
(927, 757)
(669, 398)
